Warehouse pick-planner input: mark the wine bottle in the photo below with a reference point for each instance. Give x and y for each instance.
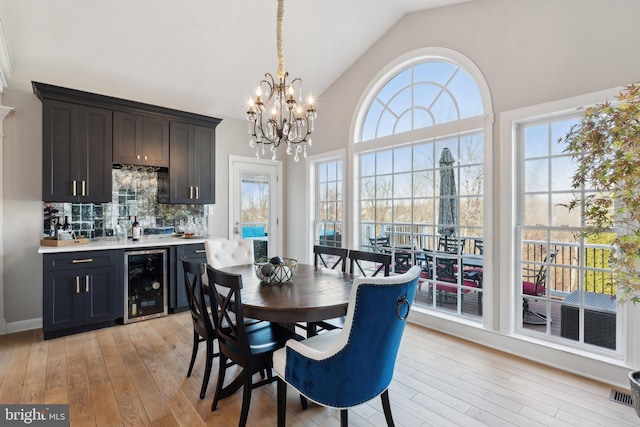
(135, 229)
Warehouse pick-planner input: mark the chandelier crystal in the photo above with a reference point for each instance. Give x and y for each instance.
(286, 121)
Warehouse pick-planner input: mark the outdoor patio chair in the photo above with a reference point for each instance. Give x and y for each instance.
(534, 281)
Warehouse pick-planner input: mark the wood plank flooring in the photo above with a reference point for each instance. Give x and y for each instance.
(135, 375)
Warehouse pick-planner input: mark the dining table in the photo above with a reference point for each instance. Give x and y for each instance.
(314, 294)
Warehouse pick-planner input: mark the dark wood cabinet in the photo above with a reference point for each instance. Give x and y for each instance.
(192, 165)
(81, 291)
(140, 140)
(77, 147)
(178, 295)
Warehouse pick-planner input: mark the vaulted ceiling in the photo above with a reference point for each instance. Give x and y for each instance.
(201, 56)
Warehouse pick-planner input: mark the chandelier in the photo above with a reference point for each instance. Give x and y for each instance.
(285, 120)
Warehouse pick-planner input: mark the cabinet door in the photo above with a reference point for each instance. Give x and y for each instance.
(193, 253)
(140, 140)
(95, 155)
(203, 165)
(180, 186)
(62, 300)
(155, 142)
(192, 167)
(100, 294)
(60, 132)
(127, 138)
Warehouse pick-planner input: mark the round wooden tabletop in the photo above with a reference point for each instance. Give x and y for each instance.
(312, 296)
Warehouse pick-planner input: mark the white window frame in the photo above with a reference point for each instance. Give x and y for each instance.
(312, 197)
(484, 122)
(509, 311)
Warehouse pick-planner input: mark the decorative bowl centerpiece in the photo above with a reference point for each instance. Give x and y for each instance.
(276, 270)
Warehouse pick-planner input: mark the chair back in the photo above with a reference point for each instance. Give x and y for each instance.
(330, 257)
(225, 253)
(537, 286)
(382, 263)
(193, 272)
(359, 364)
(380, 244)
(228, 319)
(452, 245)
(478, 246)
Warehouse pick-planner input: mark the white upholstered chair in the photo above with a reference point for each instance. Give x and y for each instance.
(225, 253)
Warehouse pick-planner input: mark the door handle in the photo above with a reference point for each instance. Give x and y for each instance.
(236, 229)
(75, 186)
(84, 188)
(77, 284)
(191, 191)
(86, 283)
(197, 192)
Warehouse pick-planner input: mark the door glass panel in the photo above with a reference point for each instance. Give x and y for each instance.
(255, 208)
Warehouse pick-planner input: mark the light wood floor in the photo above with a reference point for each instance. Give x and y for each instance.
(135, 375)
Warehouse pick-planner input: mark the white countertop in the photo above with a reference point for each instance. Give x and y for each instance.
(145, 242)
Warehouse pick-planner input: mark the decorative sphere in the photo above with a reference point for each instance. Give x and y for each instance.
(276, 260)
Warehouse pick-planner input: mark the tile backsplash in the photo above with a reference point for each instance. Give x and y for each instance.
(135, 193)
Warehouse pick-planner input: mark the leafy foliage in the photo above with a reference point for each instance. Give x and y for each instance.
(606, 147)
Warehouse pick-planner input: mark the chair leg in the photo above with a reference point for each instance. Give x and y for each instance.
(221, 371)
(526, 309)
(282, 402)
(207, 369)
(304, 402)
(386, 407)
(344, 418)
(194, 352)
(246, 398)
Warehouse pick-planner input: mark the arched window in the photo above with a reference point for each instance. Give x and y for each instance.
(422, 95)
(419, 150)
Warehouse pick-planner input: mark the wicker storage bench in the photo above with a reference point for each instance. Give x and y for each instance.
(599, 322)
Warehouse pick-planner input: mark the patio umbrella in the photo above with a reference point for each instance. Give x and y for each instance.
(448, 210)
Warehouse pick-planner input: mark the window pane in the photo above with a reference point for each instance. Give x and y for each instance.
(445, 109)
(402, 185)
(401, 80)
(535, 209)
(384, 187)
(466, 92)
(368, 164)
(536, 175)
(401, 101)
(434, 71)
(536, 141)
(402, 159)
(384, 162)
(423, 185)
(562, 169)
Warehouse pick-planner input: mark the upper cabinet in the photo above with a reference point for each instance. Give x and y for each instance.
(84, 134)
(140, 140)
(192, 166)
(76, 161)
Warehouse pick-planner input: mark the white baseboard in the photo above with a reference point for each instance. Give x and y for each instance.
(24, 325)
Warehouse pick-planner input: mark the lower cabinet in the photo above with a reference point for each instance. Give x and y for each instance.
(178, 295)
(82, 291)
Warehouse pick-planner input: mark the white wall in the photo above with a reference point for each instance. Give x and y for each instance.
(530, 52)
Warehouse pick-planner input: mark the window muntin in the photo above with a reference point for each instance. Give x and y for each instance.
(426, 94)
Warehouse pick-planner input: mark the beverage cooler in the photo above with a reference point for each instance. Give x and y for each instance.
(146, 284)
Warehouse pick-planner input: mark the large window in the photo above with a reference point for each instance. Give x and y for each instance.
(420, 181)
(565, 280)
(329, 203)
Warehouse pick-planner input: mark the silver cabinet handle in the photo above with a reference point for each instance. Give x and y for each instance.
(197, 192)
(86, 283)
(77, 284)
(138, 156)
(81, 261)
(200, 251)
(145, 157)
(191, 191)
(75, 192)
(84, 188)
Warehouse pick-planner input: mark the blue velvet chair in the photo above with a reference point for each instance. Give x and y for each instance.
(347, 367)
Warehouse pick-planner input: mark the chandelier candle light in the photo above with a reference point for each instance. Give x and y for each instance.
(287, 121)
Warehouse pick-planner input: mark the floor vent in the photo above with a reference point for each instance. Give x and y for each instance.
(620, 397)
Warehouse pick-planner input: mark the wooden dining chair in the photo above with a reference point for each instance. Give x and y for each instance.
(330, 257)
(344, 368)
(203, 330)
(250, 347)
(369, 263)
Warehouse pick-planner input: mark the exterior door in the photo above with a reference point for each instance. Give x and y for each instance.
(255, 204)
